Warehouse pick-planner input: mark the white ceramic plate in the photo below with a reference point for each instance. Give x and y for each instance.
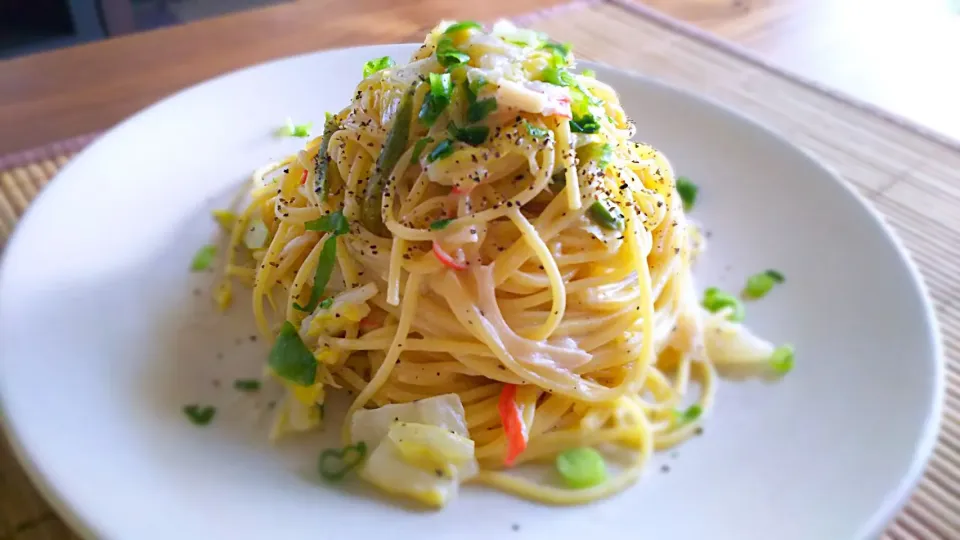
(105, 335)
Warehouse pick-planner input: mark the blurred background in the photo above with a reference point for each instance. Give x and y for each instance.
(28, 26)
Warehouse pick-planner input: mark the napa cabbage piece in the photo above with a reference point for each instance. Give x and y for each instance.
(420, 450)
(733, 348)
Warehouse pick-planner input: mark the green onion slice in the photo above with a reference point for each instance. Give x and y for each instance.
(476, 84)
(328, 259)
(290, 359)
(537, 132)
(589, 73)
(247, 385)
(441, 85)
(584, 124)
(478, 110)
(393, 148)
(462, 25)
(418, 149)
(290, 129)
(782, 359)
(334, 222)
(440, 224)
(200, 416)
(442, 150)
(377, 64)
(758, 285)
(687, 191)
(321, 162)
(581, 467)
(448, 55)
(472, 135)
(203, 258)
(603, 216)
(692, 413)
(714, 300)
(335, 463)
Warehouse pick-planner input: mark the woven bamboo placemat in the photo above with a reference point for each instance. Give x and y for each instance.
(913, 178)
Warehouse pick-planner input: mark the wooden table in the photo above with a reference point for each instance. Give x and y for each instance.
(881, 51)
(54, 95)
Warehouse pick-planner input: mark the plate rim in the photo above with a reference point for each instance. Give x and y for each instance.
(894, 500)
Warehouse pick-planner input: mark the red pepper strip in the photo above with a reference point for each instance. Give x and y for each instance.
(367, 323)
(303, 177)
(457, 190)
(446, 259)
(512, 423)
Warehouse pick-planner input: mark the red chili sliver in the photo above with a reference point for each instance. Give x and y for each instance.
(446, 259)
(512, 423)
(303, 177)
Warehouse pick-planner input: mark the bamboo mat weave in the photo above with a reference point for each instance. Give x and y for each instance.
(912, 178)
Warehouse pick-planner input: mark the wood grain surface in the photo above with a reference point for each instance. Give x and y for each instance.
(896, 54)
(59, 94)
(899, 55)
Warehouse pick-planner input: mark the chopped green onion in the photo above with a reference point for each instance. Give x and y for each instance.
(589, 73)
(758, 285)
(440, 224)
(687, 191)
(581, 467)
(478, 110)
(334, 222)
(537, 132)
(601, 215)
(476, 84)
(692, 413)
(782, 359)
(290, 129)
(225, 218)
(441, 85)
(328, 259)
(462, 25)
(584, 124)
(256, 235)
(558, 181)
(247, 385)
(393, 148)
(557, 76)
(601, 153)
(302, 130)
(377, 64)
(472, 135)
(562, 48)
(326, 303)
(321, 162)
(418, 149)
(200, 416)
(335, 463)
(714, 300)
(560, 52)
(290, 359)
(448, 55)
(441, 90)
(204, 258)
(580, 95)
(442, 150)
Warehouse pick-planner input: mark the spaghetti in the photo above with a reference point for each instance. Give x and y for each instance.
(476, 246)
